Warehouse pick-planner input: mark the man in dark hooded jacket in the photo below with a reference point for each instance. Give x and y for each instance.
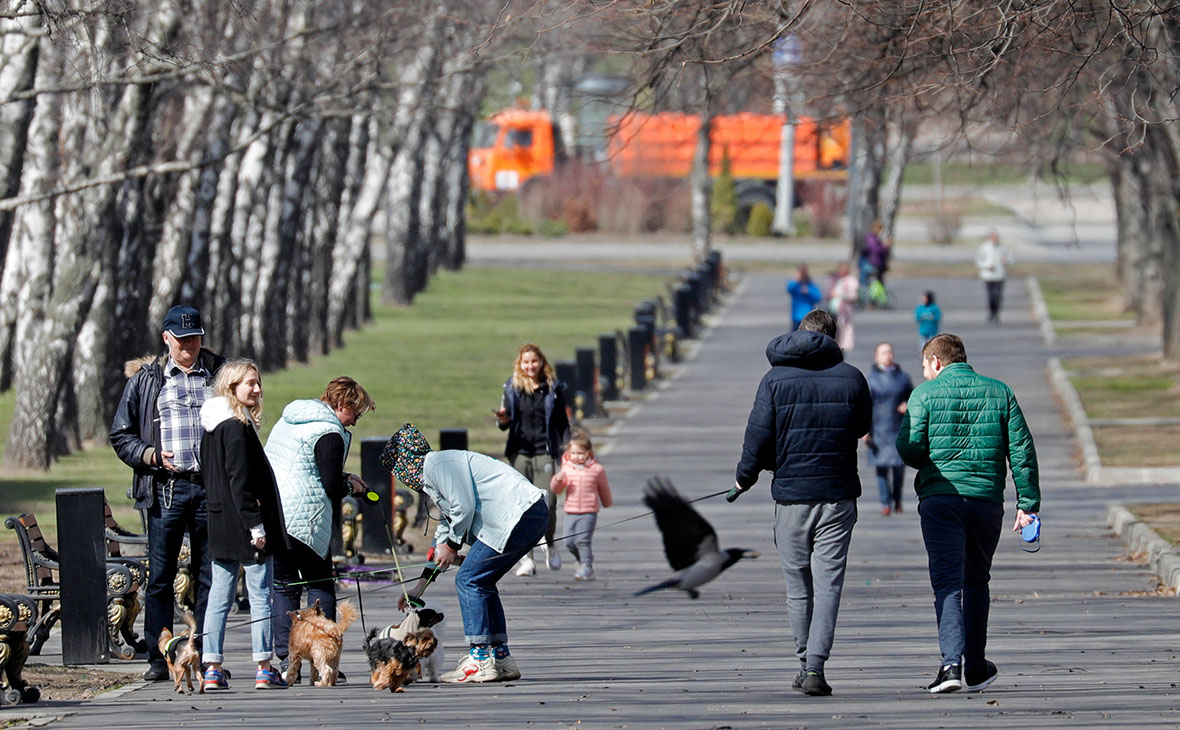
(809, 413)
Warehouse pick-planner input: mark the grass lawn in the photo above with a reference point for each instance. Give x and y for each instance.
(963, 173)
(1137, 446)
(439, 363)
(1129, 395)
(1163, 517)
(1075, 297)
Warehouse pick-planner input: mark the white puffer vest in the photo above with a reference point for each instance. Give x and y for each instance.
(291, 450)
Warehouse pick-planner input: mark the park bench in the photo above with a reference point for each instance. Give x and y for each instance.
(120, 539)
(41, 566)
(17, 613)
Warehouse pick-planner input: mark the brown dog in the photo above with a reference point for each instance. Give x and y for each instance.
(316, 637)
(183, 654)
(391, 661)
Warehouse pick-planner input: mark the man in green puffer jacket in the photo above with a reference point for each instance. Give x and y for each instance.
(961, 431)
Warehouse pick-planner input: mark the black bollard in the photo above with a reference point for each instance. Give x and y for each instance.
(645, 316)
(587, 379)
(567, 372)
(608, 365)
(81, 543)
(374, 536)
(452, 438)
(684, 311)
(638, 341)
(697, 285)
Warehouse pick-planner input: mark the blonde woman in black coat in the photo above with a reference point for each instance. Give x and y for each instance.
(245, 517)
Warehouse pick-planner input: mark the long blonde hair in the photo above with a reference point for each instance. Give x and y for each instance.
(229, 377)
(523, 382)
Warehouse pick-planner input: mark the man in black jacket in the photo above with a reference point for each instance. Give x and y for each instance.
(809, 413)
(157, 432)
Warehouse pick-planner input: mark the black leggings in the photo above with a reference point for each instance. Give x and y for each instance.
(296, 565)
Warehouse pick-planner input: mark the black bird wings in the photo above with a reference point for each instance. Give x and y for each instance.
(687, 536)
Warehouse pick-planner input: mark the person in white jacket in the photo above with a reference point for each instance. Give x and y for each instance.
(490, 506)
(992, 260)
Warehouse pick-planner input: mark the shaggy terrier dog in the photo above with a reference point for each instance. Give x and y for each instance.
(318, 639)
(392, 660)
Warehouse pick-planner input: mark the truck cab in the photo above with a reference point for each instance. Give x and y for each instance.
(511, 147)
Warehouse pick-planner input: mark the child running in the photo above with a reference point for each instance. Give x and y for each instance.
(584, 481)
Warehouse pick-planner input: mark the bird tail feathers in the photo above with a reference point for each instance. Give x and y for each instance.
(670, 583)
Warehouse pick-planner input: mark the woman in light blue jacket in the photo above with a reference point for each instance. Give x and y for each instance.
(490, 506)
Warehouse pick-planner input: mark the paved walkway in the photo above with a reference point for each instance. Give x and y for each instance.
(1074, 648)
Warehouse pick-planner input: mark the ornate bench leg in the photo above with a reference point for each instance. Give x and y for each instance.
(40, 630)
(14, 652)
(118, 617)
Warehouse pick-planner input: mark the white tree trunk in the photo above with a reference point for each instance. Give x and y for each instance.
(702, 191)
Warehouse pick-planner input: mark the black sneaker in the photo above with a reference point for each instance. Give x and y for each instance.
(156, 673)
(814, 685)
(340, 678)
(979, 678)
(797, 685)
(949, 680)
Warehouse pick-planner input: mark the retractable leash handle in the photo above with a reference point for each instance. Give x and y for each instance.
(734, 492)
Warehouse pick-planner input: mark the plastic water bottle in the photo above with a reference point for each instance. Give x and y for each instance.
(1030, 535)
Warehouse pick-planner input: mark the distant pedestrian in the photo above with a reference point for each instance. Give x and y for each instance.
(157, 432)
(805, 296)
(992, 259)
(533, 410)
(890, 387)
(842, 296)
(961, 432)
(583, 480)
(245, 518)
(929, 317)
(809, 413)
(877, 251)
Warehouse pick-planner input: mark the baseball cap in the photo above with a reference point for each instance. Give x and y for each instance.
(183, 321)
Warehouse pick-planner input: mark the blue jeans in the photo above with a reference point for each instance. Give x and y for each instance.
(479, 598)
(176, 510)
(890, 491)
(961, 534)
(221, 597)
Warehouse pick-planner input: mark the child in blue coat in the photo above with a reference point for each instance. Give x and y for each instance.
(928, 316)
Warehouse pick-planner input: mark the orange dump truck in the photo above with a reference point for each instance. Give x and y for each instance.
(516, 145)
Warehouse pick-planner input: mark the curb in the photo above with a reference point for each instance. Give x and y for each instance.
(1162, 558)
(1077, 416)
(1041, 312)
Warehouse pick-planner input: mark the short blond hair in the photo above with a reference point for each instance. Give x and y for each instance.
(344, 392)
(229, 376)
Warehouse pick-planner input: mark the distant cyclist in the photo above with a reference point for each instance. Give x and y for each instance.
(876, 251)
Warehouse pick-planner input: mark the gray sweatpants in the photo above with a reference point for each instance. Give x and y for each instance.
(581, 526)
(812, 540)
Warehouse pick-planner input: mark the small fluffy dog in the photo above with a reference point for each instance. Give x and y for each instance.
(428, 617)
(391, 661)
(317, 638)
(183, 654)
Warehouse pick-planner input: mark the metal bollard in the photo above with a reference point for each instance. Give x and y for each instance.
(638, 342)
(374, 538)
(587, 380)
(608, 365)
(684, 311)
(567, 372)
(81, 543)
(452, 438)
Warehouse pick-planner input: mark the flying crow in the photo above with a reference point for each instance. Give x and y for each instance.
(689, 541)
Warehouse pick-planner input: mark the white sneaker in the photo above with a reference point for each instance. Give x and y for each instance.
(553, 557)
(584, 572)
(473, 671)
(526, 566)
